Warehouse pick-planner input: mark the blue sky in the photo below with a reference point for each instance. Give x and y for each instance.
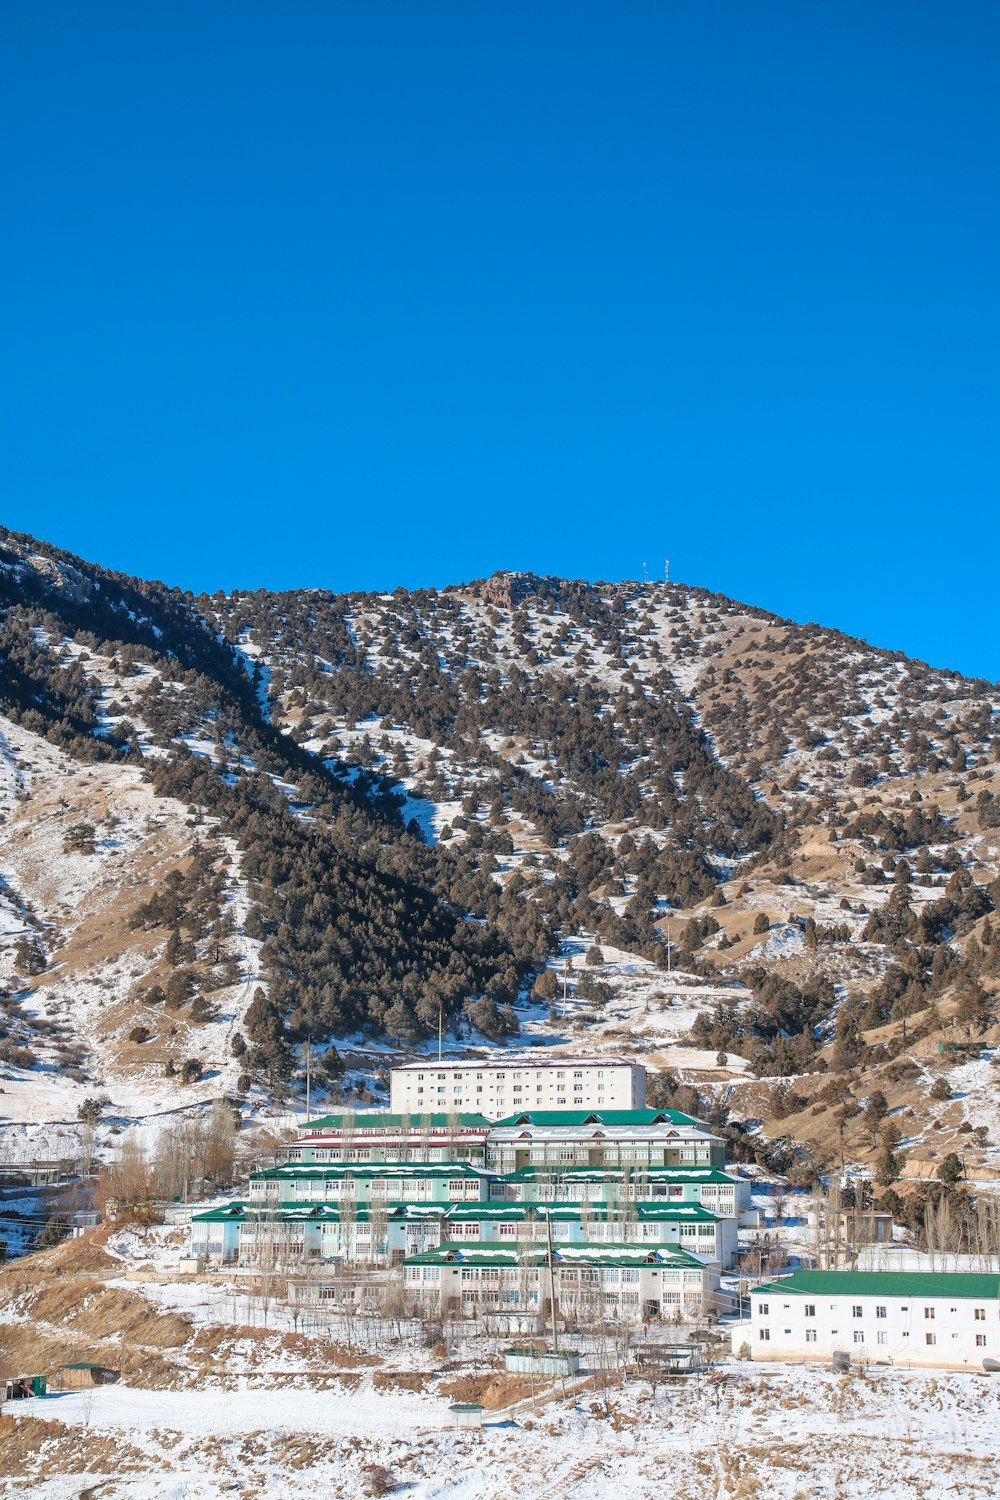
(374, 293)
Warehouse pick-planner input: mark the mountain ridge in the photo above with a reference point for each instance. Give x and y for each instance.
(420, 803)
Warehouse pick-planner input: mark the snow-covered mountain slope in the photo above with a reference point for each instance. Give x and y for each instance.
(419, 804)
(84, 847)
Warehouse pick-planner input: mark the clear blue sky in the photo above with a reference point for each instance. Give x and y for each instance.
(358, 294)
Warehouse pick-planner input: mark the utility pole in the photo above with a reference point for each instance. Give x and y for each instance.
(668, 945)
(552, 1277)
(440, 1027)
(308, 1078)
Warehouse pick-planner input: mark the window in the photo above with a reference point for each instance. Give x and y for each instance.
(928, 1312)
(857, 1311)
(810, 1309)
(880, 1312)
(882, 1337)
(764, 1334)
(762, 1309)
(980, 1341)
(810, 1335)
(930, 1338)
(859, 1337)
(980, 1315)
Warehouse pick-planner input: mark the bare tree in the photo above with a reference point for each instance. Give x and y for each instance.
(348, 1130)
(378, 1225)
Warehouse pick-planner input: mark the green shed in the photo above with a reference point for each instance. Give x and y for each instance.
(23, 1387)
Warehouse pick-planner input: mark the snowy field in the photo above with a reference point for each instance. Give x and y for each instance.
(774, 1432)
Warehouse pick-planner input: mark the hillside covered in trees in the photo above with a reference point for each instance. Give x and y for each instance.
(402, 806)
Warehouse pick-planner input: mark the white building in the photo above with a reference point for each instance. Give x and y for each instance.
(502, 1086)
(686, 1226)
(635, 1138)
(392, 1182)
(591, 1281)
(947, 1320)
(719, 1192)
(377, 1233)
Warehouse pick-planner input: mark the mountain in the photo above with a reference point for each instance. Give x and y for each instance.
(236, 820)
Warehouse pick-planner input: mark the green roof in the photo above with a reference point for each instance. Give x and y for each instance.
(285, 1212)
(596, 1213)
(599, 1117)
(885, 1284)
(292, 1171)
(453, 1253)
(375, 1120)
(459, 1213)
(634, 1172)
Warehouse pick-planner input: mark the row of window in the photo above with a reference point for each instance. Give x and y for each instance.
(881, 1337)
(516, 1088)
(560, 1073)
(881, 1311)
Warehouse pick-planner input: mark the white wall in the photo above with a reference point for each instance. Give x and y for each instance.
(504, 1089)
(895, 1329)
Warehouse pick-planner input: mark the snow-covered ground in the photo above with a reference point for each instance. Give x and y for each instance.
(778, 1432)
(73, 904)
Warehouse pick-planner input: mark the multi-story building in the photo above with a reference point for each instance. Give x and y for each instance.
(394, 1182)
(609, 1137)
(287, 1234)
(605, 1281)
(376, 1232)
(501, 1086)
(945, 1319)
(718, 1191)
(692, 1228)
(377, 1136)
(635, 1138)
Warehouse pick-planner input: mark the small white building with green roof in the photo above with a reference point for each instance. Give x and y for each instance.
(946, 1320)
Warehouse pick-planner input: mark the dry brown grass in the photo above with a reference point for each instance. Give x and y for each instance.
(492, 1390)
(68, 1450)
(402, 1380)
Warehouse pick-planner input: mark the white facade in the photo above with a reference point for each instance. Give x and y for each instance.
(717, 1191)
(301, 1182)
(947, 1321)
(591, 1281)
(499, 1088)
